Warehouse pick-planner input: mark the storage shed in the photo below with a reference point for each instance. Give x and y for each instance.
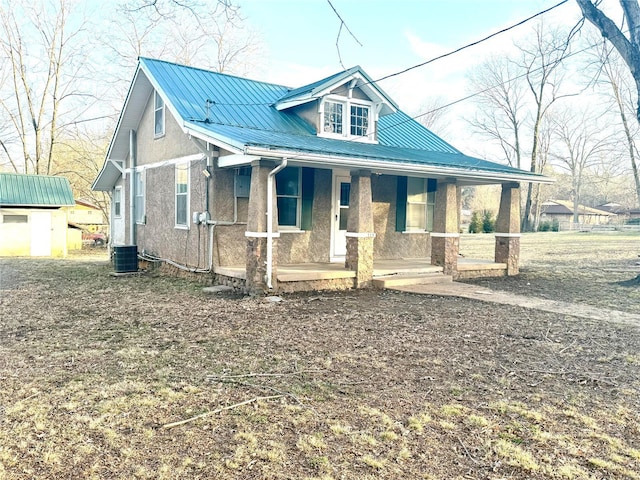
(32, 220)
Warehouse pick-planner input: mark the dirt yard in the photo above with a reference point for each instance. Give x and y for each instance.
(96, 372)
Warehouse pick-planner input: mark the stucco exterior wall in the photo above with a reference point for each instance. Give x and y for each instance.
(173, 144)
(388, 243)
(159, 235)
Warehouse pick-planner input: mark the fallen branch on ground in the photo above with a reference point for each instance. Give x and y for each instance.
(247, 375)
(221, 409)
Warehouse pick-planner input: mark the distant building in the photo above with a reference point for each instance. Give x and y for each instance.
(562, 211)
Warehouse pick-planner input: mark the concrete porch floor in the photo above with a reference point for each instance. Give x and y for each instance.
(327, 271)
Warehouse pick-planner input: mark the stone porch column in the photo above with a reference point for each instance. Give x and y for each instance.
(360, 232)
(445, 238)
(256, 233)
(508, 228)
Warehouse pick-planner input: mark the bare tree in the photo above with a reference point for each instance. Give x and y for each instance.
(541, 60)
(628, 46)
(585, 141)
(501, 104)
(42, 47)
(615, 77)
(210, 34)
(79, 157)
(433, 114)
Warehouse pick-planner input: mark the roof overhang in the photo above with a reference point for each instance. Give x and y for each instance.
(108, 177)
(464, 176)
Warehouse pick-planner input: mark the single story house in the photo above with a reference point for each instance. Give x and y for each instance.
(562, 211)
(271, 188)
(33, 221)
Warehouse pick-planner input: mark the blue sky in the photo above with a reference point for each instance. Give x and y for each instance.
(300, 35)
(299, 39)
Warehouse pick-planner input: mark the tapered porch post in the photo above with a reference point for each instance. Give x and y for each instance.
(360, 232)
(256, 233)
(445, 238)
(508, 228)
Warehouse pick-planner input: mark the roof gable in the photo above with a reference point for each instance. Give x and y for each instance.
(20, 190)
(355, 77)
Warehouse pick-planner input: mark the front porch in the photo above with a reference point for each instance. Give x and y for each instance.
(335, 276)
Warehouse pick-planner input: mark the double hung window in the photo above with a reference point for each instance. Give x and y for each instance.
(158, 116)
(139, 196)
(117, 202)
(288, 192)
(182, 195)
(416, 202)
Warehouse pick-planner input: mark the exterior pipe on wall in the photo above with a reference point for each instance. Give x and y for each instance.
(132, 187)
(270, 177)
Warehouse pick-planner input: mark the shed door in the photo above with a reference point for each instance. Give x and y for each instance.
(40, 223)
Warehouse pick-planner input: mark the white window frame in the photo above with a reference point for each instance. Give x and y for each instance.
(158, 110)
(347, 103)
(428, 205)
(182, 167)
(117, 200)
(298, 198)
(140, 196)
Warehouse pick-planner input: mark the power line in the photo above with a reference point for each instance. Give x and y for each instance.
(472, 44)
(464, 47)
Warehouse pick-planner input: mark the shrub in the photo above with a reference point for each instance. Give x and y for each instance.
(555, 225)
(476, 223)
(544, 226)
(488, 222)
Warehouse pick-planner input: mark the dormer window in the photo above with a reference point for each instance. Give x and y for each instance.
(347, 118)
(359, 120)
(332, 117)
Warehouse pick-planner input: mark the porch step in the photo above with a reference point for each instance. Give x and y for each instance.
(387, 281)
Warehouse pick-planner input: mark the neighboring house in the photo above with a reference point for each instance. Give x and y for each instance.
(87, 216)
(624, 215)
(562, 211)
(33, 221)
(273, 188)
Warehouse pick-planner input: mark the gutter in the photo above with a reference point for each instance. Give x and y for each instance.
(269, 274)
(395, 167)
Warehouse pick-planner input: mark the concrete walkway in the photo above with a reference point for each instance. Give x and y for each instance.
(464, 290)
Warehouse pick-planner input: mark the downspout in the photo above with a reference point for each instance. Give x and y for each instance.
(272, 173)
(132, 187)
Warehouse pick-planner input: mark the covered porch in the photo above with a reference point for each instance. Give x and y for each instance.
(378, 204)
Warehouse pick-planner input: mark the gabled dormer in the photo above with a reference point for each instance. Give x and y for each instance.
(344, 106)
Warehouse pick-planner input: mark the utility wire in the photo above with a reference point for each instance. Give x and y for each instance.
(472, 44)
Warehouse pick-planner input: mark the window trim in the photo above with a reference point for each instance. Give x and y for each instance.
(347, 103)
(118, 190)
(298, 198)
(157, 110)
(187, 195)
(402, 204)
(140, 196)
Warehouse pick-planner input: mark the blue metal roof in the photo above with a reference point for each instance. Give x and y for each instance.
(20, 190)
(242, 113)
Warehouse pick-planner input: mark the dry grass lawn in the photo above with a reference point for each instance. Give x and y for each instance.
(362, 384)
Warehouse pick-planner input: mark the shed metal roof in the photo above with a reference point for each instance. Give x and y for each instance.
(20, 190)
